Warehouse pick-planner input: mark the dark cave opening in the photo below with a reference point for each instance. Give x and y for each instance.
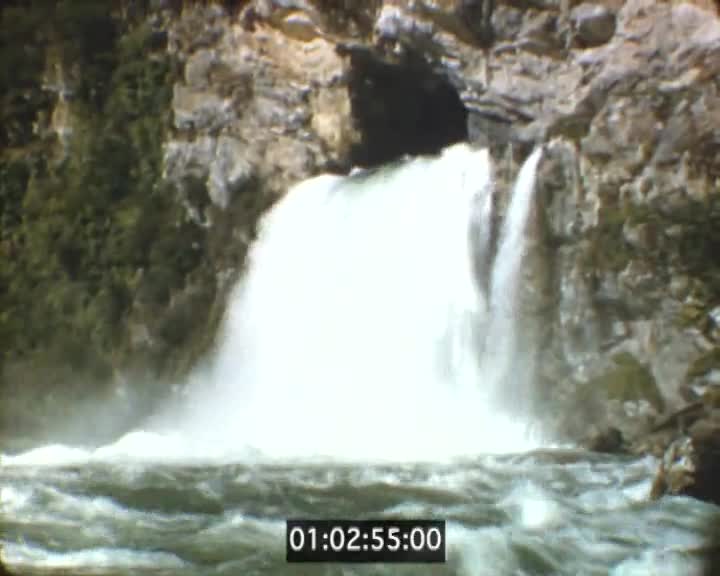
(402, 109)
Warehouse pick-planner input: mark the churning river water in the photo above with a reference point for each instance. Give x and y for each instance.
(542, 512)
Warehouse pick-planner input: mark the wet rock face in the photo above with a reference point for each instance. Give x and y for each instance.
(626, 93)
(691, 465)
(608, 441)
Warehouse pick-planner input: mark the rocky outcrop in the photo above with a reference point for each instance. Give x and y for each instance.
(608, 441)
(691, 464)
(257, 107)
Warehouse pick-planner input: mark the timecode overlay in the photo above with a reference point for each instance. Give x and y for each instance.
(407, 541)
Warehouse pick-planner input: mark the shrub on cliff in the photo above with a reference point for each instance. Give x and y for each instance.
(92, 239)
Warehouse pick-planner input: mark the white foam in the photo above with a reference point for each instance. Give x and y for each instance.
(479, 552)
(137, 447)
(21, 555)
(533, 508)
(14, 499)
(660, 563)
(50, 455)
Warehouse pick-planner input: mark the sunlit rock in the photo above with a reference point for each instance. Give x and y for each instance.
(228, 171)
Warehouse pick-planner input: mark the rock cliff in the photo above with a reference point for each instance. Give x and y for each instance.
(623, 283)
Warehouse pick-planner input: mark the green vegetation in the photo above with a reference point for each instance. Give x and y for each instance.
(684, 241)
(703, 365)
(94, 246)
(609, 249)
(628, 380)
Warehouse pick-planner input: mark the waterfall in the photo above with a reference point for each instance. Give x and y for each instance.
(359, 327)
(504, 361)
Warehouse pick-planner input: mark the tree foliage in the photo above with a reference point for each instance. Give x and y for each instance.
(89, 233)
(101, 265)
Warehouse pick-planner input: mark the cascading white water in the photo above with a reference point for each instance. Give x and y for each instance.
(373, 323)
(503, 358)
(358, 329)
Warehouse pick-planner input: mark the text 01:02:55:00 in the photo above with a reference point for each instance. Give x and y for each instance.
(365, 540)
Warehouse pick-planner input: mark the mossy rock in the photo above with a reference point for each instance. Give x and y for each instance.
(702, 365)
(711, 398)
(608, 249)
(690, 315)
(629, 380)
